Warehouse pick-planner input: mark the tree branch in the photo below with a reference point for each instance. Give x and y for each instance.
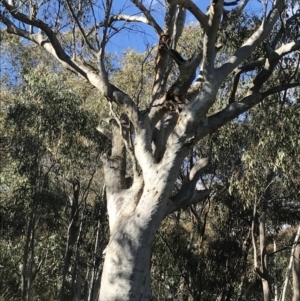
(40, 40)
(270, 62)
(38, 24)
(163, 62)
(148, 16)
(119, 17)
(247, 48)
(233, 110)
(236, 12)
(84, 36)
(288, 48)
(215, 13)
(107, 133)
(197, 196)
(187, 189)
(193, 8)
(141, 124)
(238, 72)
(279, 89)
(284, 28)
(101, 53)
(179, 25)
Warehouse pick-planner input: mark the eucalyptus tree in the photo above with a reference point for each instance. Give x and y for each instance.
(148, 146)
(49, 200)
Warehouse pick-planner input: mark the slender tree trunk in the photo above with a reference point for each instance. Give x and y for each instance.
(290, 266)
(30, 274)
(76, 275)
(264, 273)
(263, 253)
(91, 285)
(25, 283)
(275, 278)
(71, 237)
(296, 273)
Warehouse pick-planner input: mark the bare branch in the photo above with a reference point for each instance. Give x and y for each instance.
(187, 190)
(105, 30)
(119, 17)
(187, 73)
(279, 89)
(104, 132)
(231, 16)
(179, 25)
(197, 196)
(288, 48)
(193, 8)
(100, 56)
(235, 85)
(249, 67)
(284, 27)
(233, 110)
(39, 24)
(148, 16)
(11, 28)
(247, 48)
(270, 63)
(198, 169)
(163, 62)
(52, 45)
(170, 20)
(236, 12)
(215, 13)
(84, 36)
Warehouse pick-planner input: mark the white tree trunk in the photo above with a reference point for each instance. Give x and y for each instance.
(126, 271)
(289, 269)
(296, 273)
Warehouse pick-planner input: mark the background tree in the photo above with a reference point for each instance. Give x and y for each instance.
(151, 147)
(51, 191)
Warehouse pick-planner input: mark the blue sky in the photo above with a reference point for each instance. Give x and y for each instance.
(141, 35)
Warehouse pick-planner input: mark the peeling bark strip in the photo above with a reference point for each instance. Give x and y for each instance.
(148, 147)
